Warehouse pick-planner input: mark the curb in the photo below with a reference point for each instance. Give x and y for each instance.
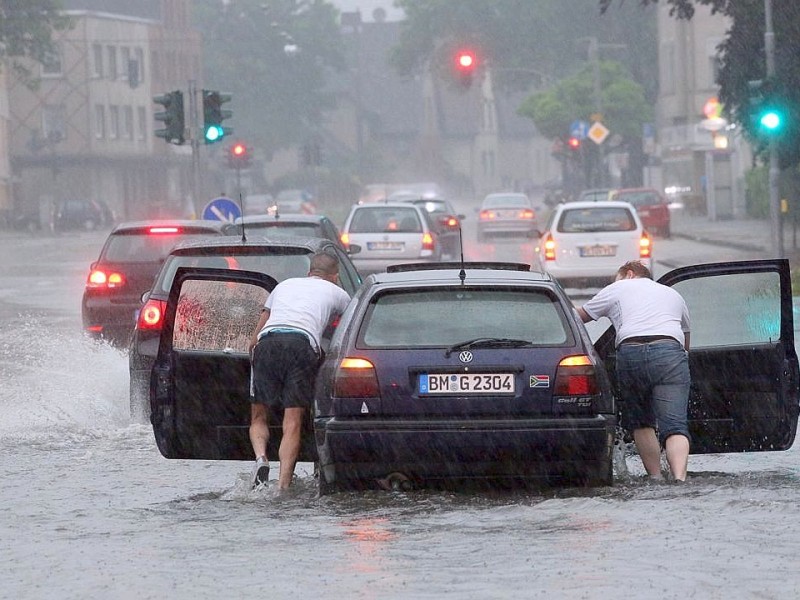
(717, 242)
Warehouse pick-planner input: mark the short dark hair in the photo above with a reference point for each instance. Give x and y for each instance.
(637, 268)
(322, 262)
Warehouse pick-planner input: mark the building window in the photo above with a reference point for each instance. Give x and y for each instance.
(141, 115)
(113, 72)
(668, 68)
(97, 53)
(155, 64)
(139, 54)
(99, 121)
(113, 122)
(127, 123)
(125, 55)
(54, 122)
(51, 67)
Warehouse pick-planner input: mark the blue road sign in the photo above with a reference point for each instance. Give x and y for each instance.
(579, 129)
(222, 209)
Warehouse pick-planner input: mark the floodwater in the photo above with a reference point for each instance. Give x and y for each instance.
(91, 510)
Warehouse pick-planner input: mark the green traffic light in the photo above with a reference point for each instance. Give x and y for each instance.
(213, 133)
(771, 120)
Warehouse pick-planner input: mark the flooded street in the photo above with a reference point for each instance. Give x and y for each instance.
(91, 509)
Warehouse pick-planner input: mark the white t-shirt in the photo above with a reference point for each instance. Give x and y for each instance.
(641, 306)
(304, 303)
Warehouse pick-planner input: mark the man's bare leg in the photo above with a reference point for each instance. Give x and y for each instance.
(677, 447)
(259, 429)
(290, 445)
(649, 450)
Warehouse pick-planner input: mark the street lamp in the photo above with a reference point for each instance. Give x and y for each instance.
(776, 228)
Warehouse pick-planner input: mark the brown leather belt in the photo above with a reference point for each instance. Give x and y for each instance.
(647, 339)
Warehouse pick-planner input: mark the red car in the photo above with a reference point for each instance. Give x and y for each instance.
(650, 205)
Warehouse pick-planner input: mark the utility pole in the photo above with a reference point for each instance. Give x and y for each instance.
(194, 137)
(774, 169)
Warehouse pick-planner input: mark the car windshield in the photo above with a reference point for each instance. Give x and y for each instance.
(138, 246)
(596, 219)
(386, 219)
(433, 206)
(283, 229)
(498, 201)
(639, 198)
(279, 265)
(443, 318)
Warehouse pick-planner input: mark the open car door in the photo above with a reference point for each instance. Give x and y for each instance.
(744, 393)
(200, 383)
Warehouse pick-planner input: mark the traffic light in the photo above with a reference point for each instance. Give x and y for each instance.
(767, 115)
(574, 143)
(213, 115)
(239, 156)
(466, 61)
(171, 116)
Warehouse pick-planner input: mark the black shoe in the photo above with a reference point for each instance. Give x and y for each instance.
(260, 474)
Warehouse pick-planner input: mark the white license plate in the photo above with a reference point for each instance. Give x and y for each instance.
(384, 245)
(466, 383)
(598, 250)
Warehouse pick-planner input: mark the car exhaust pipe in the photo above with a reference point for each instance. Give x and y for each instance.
(396, 482)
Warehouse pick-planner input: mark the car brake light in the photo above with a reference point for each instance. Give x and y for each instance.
(645, 246)
(427, 241)
(487, 215)
(356, 378)
(549, 248)
(99, 279)
(345, 237)
(151, 316)
(161, 230)
(526, 214)
(575, 376)
(451, 222)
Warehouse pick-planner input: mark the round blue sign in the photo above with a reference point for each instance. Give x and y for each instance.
(222, 209)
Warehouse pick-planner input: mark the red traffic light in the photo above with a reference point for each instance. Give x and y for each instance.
(574, 143)
(239, 156)
(466, 60)
(238, 149)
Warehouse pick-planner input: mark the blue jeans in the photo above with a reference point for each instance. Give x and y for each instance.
(654, 387)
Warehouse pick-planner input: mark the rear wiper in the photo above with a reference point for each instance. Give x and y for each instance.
(488, 342)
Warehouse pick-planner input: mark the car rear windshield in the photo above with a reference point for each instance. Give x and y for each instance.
(433, 206)
(144, 246)
(440, 318)
(579, 220)
(498, 201)
(283, 230)
(639, 198)
(386, 220)
(280, 263)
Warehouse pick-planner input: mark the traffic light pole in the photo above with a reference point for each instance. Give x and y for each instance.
(776, 228)
(194, 137)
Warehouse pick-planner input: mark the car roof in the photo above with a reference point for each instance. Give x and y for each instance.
(592, 204)
(632, 190)
(450, 273)
(198, 224)
(312, 244)
(281, 217)
(376, 205)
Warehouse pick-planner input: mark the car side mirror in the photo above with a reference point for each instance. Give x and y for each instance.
(144, 297)
(353, 249)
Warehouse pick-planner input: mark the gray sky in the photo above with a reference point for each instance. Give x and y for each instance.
(367, 6)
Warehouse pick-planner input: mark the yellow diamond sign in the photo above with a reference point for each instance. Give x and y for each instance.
(598, 133)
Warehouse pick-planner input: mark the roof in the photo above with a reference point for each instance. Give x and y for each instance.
(255, 241)
(193, 223)
(448, 275)
(282, 218)
(593, 204)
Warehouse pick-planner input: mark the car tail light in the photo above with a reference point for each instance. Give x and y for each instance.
(356, 378)
(487, 215)
(163, 230)
(549, 247)
(575, 376)
(526, 214)
(450, 222)
(100, 279)
(645, 246)
(151, 316)
(428, 242)
(345, 237)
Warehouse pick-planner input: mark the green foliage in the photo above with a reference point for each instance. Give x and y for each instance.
(624, 106)
(756, 182)
(273, 57)
(26, 32)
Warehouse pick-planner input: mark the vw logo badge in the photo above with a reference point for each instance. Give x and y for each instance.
(465, 356)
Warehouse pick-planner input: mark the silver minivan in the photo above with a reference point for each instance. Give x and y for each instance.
(387, 234)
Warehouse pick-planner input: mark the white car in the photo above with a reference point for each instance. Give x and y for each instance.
(584, 243)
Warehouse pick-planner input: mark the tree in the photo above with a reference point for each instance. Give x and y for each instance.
(743, 59)
(273, 57)
(26, 28)
(625, 108)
